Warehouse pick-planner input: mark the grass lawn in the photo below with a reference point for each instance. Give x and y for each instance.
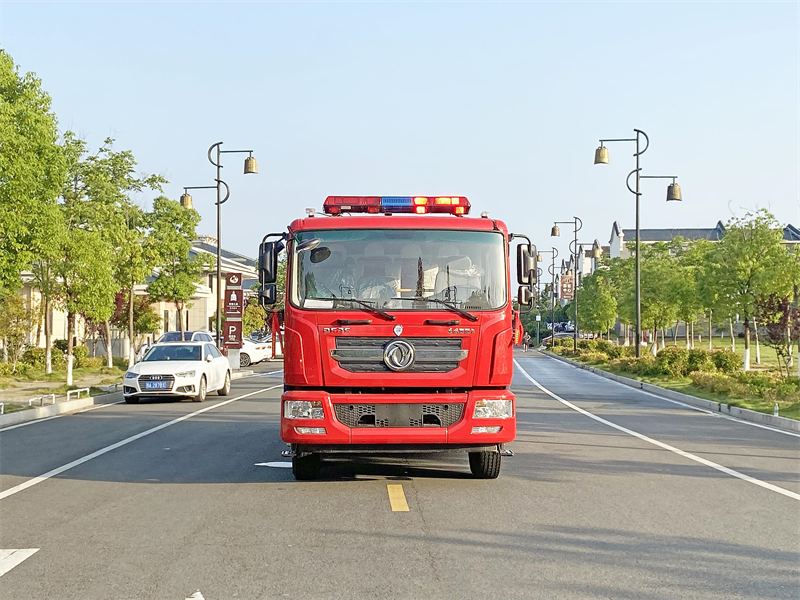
(769, 359)
(686, 386)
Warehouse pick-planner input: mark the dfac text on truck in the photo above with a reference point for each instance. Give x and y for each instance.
(398, 329)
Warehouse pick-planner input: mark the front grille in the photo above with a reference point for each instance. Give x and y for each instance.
(365, 354)
(168, 378)
(399, 415)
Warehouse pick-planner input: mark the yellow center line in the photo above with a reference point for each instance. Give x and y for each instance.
(397, 498)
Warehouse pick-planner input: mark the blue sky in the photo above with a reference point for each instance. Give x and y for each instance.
(501, 102)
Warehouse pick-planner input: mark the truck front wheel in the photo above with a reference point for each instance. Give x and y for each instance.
(485, 465)
(306, 468)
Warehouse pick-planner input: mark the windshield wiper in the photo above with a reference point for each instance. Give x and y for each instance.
(366, 305)
(450, 305)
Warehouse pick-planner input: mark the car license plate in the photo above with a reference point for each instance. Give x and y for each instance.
(156, 385)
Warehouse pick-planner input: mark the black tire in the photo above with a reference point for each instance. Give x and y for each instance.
(225, 389)
(201, 393)
(306, 468)
(131, 400)
(244, 359)
(485, 465)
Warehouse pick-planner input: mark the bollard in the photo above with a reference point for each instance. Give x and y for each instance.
(2, 408)
(775, 410)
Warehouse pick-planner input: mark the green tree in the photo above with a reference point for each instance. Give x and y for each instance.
(254, 317)
(32, 168)
(748, 264)
(173, 231)
(15, 323)
(145, 319)
(596, 304)
(659, 290)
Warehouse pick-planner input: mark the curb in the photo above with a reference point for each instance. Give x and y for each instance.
(734, 411)
(43, 412)
(240, 374)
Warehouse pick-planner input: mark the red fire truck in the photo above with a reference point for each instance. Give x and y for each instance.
(398, 329)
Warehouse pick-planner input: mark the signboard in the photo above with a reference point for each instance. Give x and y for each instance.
(233, 303)
(566, 287)
(538, 317)
(233, 334)
(233, 306)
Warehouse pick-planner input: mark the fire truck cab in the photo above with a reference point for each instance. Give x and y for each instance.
(398, 333)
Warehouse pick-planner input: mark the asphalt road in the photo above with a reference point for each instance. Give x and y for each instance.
(612, 493)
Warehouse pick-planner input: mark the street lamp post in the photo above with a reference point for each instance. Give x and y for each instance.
(250, 167)
(552, 270)
(554, 232)
(601, 157)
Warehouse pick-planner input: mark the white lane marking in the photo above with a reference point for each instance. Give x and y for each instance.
(697, 408)
(12, 557)
(98, 406)
(57, 471)
(649, 440)
(271, 373)
(196, 596)
(277, 465)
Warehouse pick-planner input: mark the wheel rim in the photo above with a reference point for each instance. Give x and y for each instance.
(244, 360)
(202, 388)
(227, 382)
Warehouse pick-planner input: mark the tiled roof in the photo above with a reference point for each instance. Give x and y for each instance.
(235, 257)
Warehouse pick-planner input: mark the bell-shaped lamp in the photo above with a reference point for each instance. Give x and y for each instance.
(538, 257)
(674, 192)
(554, 232)
(596, 252)
(250, 165)
(186, 201)
(601, 156)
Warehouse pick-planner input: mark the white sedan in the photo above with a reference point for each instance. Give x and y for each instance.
(253, 352)
(182, 369)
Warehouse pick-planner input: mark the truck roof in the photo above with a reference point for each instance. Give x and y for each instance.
(399, 221)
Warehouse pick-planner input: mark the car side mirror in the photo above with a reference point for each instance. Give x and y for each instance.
(526, 264)
(209, 358)
(268, 295)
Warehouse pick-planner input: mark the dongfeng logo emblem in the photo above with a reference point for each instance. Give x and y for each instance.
(398, 329)
(398, 355)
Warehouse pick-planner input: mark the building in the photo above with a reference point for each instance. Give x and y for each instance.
(199, 314)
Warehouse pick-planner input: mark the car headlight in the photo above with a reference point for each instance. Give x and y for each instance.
(493, 409)
(303, 409)
(185, 374)
(131, 375)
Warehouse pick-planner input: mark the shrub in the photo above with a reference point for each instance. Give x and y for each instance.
(90, 363)
(593, 356)
(700, 360)
(80, 352)
(60, 345)
(645, 365)
(673, 361)
(726, 361)
(6, 369)
(614, 351)
(34, 356)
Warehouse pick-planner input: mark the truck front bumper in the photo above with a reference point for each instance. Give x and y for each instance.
(466, 431)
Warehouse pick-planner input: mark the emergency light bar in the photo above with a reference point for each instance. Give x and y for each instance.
(454, 205)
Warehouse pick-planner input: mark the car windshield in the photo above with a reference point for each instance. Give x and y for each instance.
(391, 269)
(175, 336)
(174, 352)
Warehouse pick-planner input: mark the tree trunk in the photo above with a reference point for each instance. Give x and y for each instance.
(790, 358)
(179, 306)
(758, 346)
(48, 338)
(39, 326)
(746, 361)
(710, 333)
(675, 333)
(109, 352)
(692, 346)
(5, 349)
(70, 335)
(131, 354)
(733, 339)
(655, 341)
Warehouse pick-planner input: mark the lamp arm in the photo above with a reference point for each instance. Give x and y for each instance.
(227, 191)
(646, 139)
(211, 160)
(628, 179)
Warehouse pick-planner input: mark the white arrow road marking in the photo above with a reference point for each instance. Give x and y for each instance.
(277, 465)
(12, 557)
(196, 596)
(649, 440)
(133, 438)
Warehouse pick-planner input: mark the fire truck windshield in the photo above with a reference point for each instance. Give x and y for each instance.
(399, 269)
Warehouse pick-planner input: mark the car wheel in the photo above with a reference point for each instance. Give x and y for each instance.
(201, 391)
(485, 465)
(131, 400)
(306, 468)
(244, 360)
(225, 389)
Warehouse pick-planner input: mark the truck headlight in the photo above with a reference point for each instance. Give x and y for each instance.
(493, 409)
(303, 409)
(185, 374)
(131, 375)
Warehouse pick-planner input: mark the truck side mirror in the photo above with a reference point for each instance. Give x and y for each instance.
(526, 264)
(268, 295)
(525, 296)
(268, 262)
